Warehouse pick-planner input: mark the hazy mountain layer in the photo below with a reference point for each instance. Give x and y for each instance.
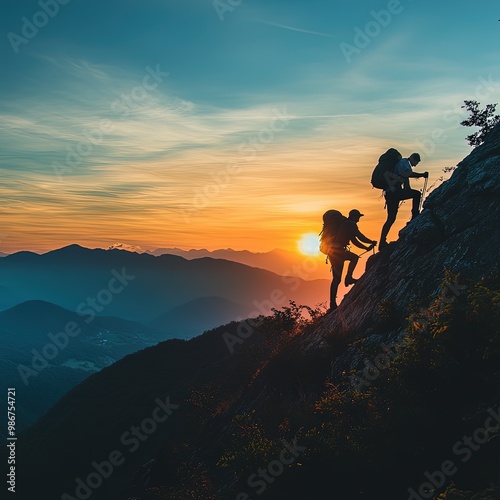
(142, 287)
(47, 350)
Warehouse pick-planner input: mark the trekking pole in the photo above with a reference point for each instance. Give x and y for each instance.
(424, 190)
(366, 251)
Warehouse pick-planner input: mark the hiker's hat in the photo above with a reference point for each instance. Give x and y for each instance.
(355, 212)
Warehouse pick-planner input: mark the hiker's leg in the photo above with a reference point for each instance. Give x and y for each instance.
(414, 195)
(337, 268)
(353, 261)
(392, 204)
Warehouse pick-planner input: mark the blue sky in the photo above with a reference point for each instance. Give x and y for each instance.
(150, 160)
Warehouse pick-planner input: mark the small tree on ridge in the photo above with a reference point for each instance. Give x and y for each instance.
(485, 119)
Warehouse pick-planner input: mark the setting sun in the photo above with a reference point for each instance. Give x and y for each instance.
(309, 244)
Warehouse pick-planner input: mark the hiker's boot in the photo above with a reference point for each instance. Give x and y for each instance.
(349, 280)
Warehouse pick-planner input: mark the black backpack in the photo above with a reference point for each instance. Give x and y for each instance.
(383, 174)
(332, 220)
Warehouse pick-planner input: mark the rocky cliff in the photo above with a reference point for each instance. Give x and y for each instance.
(456, 233)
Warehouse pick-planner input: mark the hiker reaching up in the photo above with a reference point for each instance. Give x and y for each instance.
(399, 189)
(347, 233)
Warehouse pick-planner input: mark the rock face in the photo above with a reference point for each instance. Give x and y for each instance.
(457, 231)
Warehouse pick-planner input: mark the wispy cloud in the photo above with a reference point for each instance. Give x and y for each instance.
(293, 28)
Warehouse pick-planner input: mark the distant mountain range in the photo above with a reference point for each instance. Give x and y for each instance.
(199, 315)
(143, 287)
(278, 261)
(122, 302)
(47, 350)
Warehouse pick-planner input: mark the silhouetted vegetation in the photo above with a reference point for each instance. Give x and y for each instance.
(239, 409)
(359, 443)
(485, 119)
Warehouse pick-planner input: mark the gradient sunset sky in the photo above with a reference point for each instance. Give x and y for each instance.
(202, 124)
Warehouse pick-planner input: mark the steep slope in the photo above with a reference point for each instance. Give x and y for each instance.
(457, 232)
(94, 419)
(375, 400)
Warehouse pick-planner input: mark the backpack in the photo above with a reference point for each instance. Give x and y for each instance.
(383, 173)
(332, 220)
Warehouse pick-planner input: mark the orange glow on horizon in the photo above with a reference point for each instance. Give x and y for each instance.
(270, 204)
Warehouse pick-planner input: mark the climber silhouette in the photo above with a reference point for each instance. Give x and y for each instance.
(347, 233)
(399, 189)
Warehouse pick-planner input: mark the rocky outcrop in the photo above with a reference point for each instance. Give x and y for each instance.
(456, 231)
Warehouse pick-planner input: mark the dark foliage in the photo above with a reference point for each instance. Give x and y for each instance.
(485, 119)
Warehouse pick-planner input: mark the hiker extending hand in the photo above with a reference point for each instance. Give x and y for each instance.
(347, 233)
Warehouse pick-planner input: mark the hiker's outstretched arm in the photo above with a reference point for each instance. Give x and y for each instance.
(357, 243)
(360, 236)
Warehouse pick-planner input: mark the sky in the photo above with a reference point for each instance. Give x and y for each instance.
(226, 123)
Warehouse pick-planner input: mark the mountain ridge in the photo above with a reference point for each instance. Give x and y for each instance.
(147, 286)
(279, 261)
